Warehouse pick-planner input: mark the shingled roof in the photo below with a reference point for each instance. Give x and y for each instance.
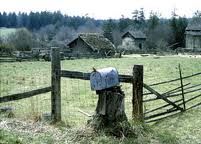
(193, 29)
(95, 41)
(135, 34)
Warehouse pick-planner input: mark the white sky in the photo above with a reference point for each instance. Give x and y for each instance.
(103, 9)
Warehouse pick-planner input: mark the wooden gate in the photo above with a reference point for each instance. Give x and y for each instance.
(176, 99)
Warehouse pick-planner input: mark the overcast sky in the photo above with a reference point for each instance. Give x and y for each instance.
(103, 9)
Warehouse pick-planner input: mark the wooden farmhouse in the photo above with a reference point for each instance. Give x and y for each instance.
(134, 39)
(91, 45)
(193, 36)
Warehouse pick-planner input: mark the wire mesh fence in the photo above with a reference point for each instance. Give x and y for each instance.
(76, 95)
(79, 101)
(23, 77)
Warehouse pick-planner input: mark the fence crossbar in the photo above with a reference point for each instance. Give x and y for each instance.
(187, 88)
(189, 100)
(187, 92)
(19, 96)
(164, 82)
(162, 97)
(155, 120)
(166, 93)
(166, 105)
(160, 114)
(86, 76)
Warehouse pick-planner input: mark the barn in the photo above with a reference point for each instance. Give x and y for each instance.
(193, 36)
(91, 45)
(134, 39)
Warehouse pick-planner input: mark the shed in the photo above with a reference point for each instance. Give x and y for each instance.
(135, 39)
(91, 45)
(193, 36)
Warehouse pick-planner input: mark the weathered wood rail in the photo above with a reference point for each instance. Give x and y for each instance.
(86, 76)
(24, 95)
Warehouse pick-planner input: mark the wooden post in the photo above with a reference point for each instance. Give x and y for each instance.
(182, 87)
(137, 100)
(56, 85)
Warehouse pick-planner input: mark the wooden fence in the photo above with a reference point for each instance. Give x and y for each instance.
(137, 91)
(178, 105)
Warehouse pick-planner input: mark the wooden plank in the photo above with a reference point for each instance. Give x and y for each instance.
(86, 76)
(188, 100)
(165, 94)
(187, 92)
(56, 85)
(160, 114)
(182, 87)
(24, 95)
(194, 106)
(137, 93)
(174, 90)
(144, 94)
(164, 82)
(166, 105)
(161, 118)
(172, 95)
(187, 88)
(162, 97)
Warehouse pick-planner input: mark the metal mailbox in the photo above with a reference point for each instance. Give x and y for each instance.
(104, 78)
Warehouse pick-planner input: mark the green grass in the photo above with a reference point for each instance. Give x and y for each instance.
(5, 32)
(76, 94)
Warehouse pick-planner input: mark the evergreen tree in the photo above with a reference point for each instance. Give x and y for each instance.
(178, 25)
(124, 23)
(153, 21)
(108, 27)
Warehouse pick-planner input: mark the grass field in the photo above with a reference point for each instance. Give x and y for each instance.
(76, 94)
(5, 32)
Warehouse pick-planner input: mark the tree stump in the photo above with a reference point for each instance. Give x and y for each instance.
(110, 109)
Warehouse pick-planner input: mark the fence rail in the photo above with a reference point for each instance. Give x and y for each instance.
(24, 95)
(178, 104)
(86, 76)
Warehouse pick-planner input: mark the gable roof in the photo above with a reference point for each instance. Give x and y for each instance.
(194, 27)
(135, 34)
(95, 41)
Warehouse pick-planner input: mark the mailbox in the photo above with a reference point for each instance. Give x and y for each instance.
(104, 78)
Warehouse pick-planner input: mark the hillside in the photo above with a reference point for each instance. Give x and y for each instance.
(5, 32)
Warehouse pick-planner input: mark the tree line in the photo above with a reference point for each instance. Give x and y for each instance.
(36, 20)
(45, 29)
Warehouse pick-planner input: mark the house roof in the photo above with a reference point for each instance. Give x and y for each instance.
(135, 34)
(193, 27)
(95, 41)
(194, 33)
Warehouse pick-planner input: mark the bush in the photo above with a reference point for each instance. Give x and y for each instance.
(21, 40)
(6, 49)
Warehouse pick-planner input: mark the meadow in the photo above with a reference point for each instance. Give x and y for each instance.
(76, 94)
(5, 32)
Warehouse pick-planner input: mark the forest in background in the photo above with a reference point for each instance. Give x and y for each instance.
(46, 29)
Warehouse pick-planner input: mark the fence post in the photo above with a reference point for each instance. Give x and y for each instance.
(137, 99)
(182, 88)
(56, 85)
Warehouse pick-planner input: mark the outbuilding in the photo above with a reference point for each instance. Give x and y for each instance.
(193, 36)
(134, 39)
(91, 45)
